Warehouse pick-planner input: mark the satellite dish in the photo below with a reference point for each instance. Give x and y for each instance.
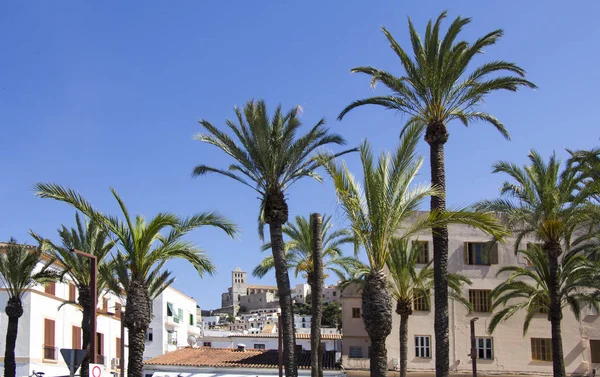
(192, 340)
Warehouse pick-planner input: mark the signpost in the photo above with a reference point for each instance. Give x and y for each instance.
(73, 358)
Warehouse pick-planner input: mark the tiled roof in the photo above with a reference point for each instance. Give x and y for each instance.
(268, 329)
(229, 358)
(298, 336)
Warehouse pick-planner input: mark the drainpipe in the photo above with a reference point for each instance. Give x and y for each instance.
(453, 328)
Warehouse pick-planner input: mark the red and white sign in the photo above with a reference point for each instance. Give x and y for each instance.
(96, 370)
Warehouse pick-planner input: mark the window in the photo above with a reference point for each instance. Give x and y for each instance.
(72, 293)
(50, 288)
(180, 315)
(99, 344)
(530, 246)
(423, 247)
(595, 349)
(421, 301)
(355, 312)
(191, 319)
(118, 312)
(105, 304)
(423, 346)
(484, 348)
(49, 345)
(480, 300)
(541, 349)
(259, 346)
(540, 307)
(334, 293)
(170, 309)
(172, 338)
(76, 337)
(356, 353)
(480, 253)
(149, 335)
(207, 344)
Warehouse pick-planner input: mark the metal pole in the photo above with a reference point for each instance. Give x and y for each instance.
(122, 351)
(94, 301)
(280, 345)
(473, 347)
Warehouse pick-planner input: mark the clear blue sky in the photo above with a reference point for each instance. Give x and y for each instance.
(99, 95)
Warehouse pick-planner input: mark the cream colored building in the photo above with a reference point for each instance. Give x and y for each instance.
(507, 350)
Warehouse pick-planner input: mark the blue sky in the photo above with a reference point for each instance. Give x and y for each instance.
(99, 95)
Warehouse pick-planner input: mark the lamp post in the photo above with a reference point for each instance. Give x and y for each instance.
(473, 347)
(122, 351)
(93, 300)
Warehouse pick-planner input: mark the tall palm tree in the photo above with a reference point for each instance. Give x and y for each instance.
(410, 283)
(18, 273)
(93, 239)
(542, 202)
(269, 157)
(381, 209)
(143, 249)
(299, 246)
(528, 288)
(434, 91)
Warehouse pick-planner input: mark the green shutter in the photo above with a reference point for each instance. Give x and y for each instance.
(170, 310)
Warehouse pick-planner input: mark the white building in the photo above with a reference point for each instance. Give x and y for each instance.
(44, 330)
(302, 321)
(173, 322)
(222, 339)
(301, 293)
(331, 293)
(506, 350)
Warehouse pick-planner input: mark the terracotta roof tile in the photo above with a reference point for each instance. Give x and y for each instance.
(230, 358)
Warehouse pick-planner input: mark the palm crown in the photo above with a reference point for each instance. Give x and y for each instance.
(299, 249)
(527, 288)
(435, 88)
(268, 155)
(87, 236)
(19, 269)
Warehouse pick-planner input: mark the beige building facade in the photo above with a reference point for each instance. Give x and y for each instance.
(507, 350)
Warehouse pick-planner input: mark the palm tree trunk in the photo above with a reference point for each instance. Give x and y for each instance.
(316, 298)
(558, 363)
(10, 365)
(137, 319)
(285, 299)
(84, 301)
(403, 344)
(436, 135)
(377, 317)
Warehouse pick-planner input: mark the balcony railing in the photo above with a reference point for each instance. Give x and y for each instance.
(49, 353)
(172, 342)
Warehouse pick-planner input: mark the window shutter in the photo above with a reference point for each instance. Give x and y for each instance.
(72, 292)
(118, 348)
(76, 338)
(466, 252)
(49, 332)
(494, 254)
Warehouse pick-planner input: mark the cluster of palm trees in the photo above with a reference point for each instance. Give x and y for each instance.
(559, 208)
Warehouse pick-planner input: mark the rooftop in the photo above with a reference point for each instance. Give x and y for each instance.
(229, 358)
(298, 336)
(255, 286)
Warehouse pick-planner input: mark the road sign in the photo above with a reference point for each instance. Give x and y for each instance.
(73, 358)
(96, 370)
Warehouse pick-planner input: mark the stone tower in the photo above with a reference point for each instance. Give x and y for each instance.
(239, 288)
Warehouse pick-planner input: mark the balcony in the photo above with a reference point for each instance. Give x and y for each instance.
(49, 353)
(172, 321)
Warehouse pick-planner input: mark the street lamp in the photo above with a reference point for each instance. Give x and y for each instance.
(473, 347)
(93, 301)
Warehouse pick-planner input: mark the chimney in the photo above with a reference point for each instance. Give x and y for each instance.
(241, 347)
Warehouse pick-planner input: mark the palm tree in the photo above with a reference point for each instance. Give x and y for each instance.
(433, 92)
(381, 209)
(143, 249)
(411, 283)
(269, 157)
(528, 288)
(93, 239)
(299, 247)
(19, 273)
(545, 203)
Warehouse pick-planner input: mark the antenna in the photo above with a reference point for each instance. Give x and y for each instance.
(192, 340)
